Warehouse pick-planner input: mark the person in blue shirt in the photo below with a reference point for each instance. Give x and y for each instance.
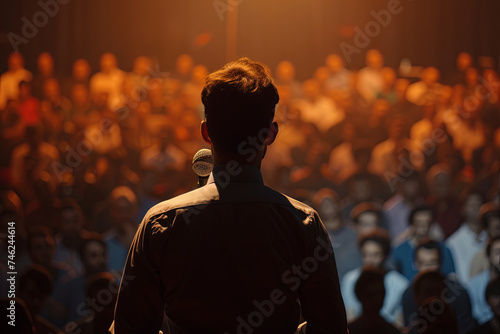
(403, 256)
(430, 282)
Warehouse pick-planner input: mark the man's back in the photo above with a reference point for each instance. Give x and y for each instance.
(232, 257)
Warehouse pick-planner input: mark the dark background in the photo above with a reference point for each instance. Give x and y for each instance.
(428, 32)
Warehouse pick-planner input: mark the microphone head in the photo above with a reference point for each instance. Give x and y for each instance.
(203, 162)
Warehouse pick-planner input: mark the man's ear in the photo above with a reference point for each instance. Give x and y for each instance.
(204, 133)
(271, 135)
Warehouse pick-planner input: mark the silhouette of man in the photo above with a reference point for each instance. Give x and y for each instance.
(233, 256)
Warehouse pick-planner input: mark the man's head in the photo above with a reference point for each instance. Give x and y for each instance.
(464, 61)
(326, 202)
(334, 62)
(428, 256)
(420, 221)
(108, 62)
(81, 70)
(15, 61)
(375, 247)
(35, 286)
(123, 207)
(239, 101)
(93, 254)
(471, 200)
(438, 179)
(493, 253)
(41, 246)
(70, 220)
(489, 218)
(45, 64)
(374, 59)
(366, 217)
(370, 290)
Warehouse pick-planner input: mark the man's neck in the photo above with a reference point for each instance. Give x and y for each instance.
(224, 159)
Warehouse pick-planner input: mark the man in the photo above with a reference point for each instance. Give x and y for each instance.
(370, 292)
(71, 294)
(344, 239)
(489, 219)
(123, 220)
(35, 287)
(109, 80)
(429, 262)
(71, 233)
(234, 255)
(469, 238)
(397, 209)
(375, 246)
(366, 217)
(477, 285)
(9, 81)
(492, 295)
(420, 219)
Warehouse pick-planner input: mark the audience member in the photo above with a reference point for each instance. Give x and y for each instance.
(430, 282)
(343, 238)
(489, 219)
(370, 292)
(9, 81)
(477, 285)
(123, 225)
(71, 295)
(469, 238)
(375, 247)
(492, 296)
(370, 81)
(397, 209)
(109, 80)
(420, 229)
(71, 233)
(35, 287)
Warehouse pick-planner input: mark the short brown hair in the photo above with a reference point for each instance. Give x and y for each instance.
(239, 101)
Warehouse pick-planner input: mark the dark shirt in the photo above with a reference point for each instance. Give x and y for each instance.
(486, 328)
(454, 294)
(232, 256)
(373, 325)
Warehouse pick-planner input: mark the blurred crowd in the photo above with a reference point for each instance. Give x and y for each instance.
(402, 166)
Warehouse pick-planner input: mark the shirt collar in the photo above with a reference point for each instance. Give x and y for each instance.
(235, 173)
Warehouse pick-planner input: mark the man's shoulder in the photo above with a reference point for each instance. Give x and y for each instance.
(209, 195)
(200, 196)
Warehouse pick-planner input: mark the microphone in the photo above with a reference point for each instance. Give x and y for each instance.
(203, 163)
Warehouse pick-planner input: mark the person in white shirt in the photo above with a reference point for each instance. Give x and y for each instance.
(468, 239)
(342, 163)
(375, 247)
(9, 81)
(318, 109)
(427, 89)
(370, 80)
(389, 155)
(109, 80)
